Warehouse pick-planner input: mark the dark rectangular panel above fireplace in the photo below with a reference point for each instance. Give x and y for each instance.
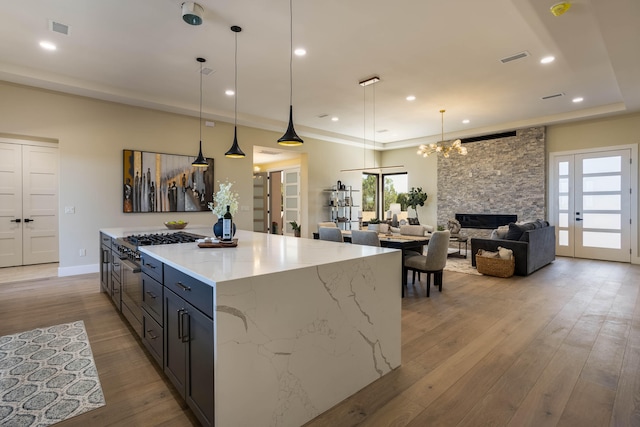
(489, 221)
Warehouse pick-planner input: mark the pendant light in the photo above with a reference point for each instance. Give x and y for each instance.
(235, 152)
(200, 161)
(290, 137)
(441, 146)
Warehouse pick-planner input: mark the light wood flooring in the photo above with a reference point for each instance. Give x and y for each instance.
(558, 348)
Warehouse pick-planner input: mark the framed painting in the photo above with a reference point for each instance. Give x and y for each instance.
(157, 182)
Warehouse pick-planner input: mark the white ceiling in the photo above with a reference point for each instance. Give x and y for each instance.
(446, 53)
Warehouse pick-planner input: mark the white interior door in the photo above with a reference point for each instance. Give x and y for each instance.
(291, 198)
(10, 204)
(40, 204)
(29, 208)
(592, 205)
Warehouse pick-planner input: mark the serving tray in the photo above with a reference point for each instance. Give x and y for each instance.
(232, 244)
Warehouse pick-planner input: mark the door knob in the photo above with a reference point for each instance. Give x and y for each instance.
(16, 220)
(578, 219)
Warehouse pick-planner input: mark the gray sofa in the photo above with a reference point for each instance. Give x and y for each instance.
(532, 251)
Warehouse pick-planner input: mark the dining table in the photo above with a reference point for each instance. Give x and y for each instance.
(404, 242)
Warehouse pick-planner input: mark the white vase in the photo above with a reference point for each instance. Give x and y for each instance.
(374, 227)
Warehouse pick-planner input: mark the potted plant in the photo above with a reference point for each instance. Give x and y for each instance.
(296, 228)
(416, 197)
(374, 224)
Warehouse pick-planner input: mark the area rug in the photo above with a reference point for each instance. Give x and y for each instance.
(47, 375)
(461, 265)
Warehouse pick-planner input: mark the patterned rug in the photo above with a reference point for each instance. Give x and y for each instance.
(47, 375)
(461, 265)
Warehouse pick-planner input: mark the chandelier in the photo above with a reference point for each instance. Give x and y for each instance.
(442, 147)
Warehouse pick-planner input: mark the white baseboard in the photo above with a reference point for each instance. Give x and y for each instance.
(78, 269)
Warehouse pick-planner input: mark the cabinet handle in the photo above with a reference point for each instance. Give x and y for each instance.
(184, 287)
(149, 332)
(151, 294)
(29, 220)
(185, 337)
(116, 264)
(16, 220)
(180, 323)
(105, 257)
(150, 265)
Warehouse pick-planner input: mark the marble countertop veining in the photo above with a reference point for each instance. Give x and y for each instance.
(256, 254)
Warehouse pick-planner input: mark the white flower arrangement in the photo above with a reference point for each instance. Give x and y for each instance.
(223, 198)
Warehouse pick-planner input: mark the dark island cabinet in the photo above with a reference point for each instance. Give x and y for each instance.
(105, 261)
(188, 356)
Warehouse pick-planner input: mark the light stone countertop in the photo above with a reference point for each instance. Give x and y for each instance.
(256, 254)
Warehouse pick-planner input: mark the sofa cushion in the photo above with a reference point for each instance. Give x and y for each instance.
(516, 230)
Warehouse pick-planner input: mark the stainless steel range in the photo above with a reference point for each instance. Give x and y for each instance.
(128, 270)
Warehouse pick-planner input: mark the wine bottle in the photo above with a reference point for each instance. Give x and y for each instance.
(227, 226)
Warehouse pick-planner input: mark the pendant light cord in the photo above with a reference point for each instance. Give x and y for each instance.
(374, 125)
(235, 119)
(200, 122)
(290, 52)
(364, 127)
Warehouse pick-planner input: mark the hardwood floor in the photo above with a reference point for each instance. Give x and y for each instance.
(558, 348)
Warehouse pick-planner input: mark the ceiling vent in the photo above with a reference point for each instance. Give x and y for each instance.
(382, 130)
(555, 95)
(322, 116)
(57, 27)
(206, 71)
(515, 57)
(270, 153)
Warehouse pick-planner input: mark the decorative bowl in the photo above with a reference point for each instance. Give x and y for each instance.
(175, 225)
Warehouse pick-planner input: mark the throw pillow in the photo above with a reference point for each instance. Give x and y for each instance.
(516, 231)
(504, 253)
(501, 232)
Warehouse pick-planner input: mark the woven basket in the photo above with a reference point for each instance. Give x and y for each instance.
(497, 267)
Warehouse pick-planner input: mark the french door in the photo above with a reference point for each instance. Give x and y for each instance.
(290, 198)
(28, 204)
(591, 205)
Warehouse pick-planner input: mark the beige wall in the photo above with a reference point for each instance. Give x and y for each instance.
(92, 134)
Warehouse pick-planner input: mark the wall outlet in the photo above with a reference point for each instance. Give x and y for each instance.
(69, 209)
(82, 252)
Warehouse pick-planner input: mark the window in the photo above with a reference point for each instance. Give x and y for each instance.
(369, 196)
(395, 192)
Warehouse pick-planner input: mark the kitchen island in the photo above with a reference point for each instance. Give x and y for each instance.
(298, 324)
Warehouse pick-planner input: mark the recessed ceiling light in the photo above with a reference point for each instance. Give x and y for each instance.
(547, 59)
(334, 119)
(229, 92)
(578, 99)
(465, 121)
(48, 45)
(411, 98)
(300, 51)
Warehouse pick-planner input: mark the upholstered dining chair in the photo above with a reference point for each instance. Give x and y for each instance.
(365, 237)
(329, 224)
(332, 234)
(432, 263)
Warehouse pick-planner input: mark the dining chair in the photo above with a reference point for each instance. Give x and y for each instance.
(332, 234)
(365, 237)
(432, 263)
(329, 224)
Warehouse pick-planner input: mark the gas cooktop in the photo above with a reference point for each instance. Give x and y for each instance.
(161, 238)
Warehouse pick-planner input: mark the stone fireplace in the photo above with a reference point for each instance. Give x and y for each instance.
(498, 175)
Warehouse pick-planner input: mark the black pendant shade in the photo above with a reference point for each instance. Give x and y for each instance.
(290, 137)
(200, 161)
(235, 152)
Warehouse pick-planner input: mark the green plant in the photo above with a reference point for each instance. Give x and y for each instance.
(374, 221)
(294, 225)
(440, 228)
(416, 197)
